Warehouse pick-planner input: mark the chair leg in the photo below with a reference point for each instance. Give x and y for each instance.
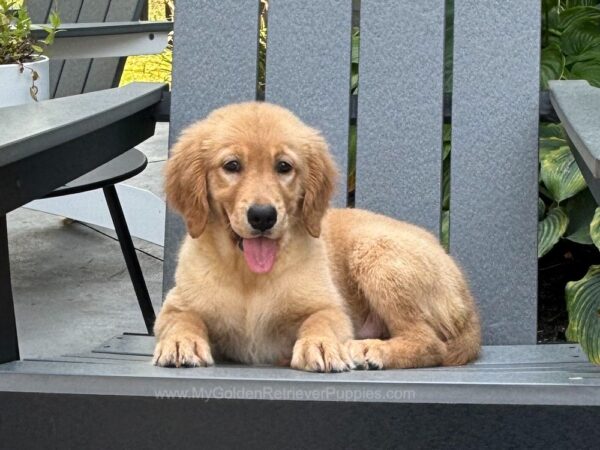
(9, 344)
(133, 265)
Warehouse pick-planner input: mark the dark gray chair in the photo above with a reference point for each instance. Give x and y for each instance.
(518, 394)
(77, 76)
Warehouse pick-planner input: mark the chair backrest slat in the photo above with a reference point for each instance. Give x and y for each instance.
(105, 73)
(493, 222)
(86, 75)
(69, 12)
(308, 69)
(214, 64)
(39, 10)
(74, 72)
(400, 107)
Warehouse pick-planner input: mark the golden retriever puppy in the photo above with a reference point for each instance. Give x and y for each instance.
(267, 274)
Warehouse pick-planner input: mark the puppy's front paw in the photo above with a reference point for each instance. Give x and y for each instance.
(366, 353)
(320, 355)
(182, 350)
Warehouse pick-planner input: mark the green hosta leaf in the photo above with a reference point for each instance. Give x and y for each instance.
(567, 75)
(354, 83)
(541, 209)
(580, 210)
(355, 45)
(551, 131)
(551, 229)
(560, 174)
(446, 184)
(544, 191)
(447, 132)
(580, 38)
(573, 3)
(551, 137)
(352, 159)
(583, 306)
(550, 17)
(553, 64)
(595, 228)
(445, 229)
(447, 144)
(590, 55)
(446, 149)
(587, 70)
(547, 146)
(572, 17)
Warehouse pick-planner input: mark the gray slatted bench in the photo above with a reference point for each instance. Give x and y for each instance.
(516, 394)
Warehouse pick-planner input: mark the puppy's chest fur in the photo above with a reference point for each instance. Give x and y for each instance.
(250, 330)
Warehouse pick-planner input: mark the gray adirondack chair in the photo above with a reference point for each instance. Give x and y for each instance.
(517, 394)
(76, 74)
(70, 77)
(95, 198)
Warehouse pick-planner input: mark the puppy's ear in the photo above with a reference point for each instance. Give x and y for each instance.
(185, 179)
(319, 185)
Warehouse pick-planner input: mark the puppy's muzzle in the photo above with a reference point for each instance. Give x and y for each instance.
(262, 217)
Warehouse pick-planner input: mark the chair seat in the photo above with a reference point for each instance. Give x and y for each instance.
(116, 170)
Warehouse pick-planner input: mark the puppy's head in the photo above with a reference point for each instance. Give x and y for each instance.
(255, 170)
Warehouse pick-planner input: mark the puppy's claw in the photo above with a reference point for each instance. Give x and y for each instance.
(320, 355)
(182, 351)
(366, 354)
(374, 366)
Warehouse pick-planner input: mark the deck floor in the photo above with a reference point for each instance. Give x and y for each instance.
(70, 283)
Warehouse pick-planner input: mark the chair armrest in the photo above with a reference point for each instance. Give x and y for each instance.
(578, 107)
(46, 144)
(69, 30)
(108, 39)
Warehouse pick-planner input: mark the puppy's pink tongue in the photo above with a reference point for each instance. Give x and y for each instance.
(260, 254)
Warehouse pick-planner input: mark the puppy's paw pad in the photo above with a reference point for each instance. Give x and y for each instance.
(182, 351)
(320, 355)
(366, 354)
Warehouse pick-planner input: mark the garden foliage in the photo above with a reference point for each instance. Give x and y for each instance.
(567, 210)
(17, 46)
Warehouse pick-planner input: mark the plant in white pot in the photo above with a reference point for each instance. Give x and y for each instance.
(24, 70)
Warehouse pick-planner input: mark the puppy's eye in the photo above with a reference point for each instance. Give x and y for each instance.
(232, 166)
(283, 167)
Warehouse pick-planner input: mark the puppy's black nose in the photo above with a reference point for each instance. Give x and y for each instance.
(262, 217)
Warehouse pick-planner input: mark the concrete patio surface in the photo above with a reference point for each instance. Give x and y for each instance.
(70, 284)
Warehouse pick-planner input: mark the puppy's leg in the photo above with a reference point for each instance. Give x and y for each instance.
(422, 313)
(182, 337)
(320, 345)
(415, 346)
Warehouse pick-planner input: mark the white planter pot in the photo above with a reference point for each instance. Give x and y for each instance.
(14, 85)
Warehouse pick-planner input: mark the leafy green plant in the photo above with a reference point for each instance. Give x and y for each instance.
(570, 41)
(17, 46)
(570, 50)
(583, 306)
